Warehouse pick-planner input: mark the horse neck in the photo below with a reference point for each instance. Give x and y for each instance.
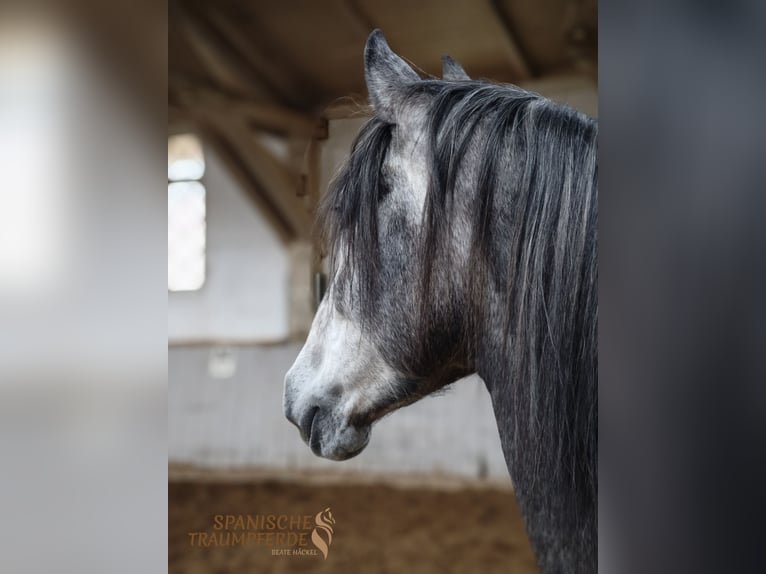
(549, 444)
(536, 351)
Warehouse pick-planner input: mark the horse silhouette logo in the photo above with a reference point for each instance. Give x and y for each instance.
(323, 522)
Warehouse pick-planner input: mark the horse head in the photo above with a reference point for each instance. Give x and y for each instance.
(375, 344)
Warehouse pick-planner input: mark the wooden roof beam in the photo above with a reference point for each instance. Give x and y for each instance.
(267, 116)
(516, 60)
(276, 180)
(218, 58)
(238, 168)
(271, 71)
(271, 183)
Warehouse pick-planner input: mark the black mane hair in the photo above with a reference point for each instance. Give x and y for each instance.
(533, 247)
(348, 214)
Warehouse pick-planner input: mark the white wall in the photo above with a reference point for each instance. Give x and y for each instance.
(245, 295)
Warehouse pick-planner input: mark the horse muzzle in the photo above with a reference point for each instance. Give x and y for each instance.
(322, 427)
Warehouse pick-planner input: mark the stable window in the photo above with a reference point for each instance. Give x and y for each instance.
(186, 213)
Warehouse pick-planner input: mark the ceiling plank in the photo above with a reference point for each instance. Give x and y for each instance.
(218, 58)
(271, 71)
(361, 21)
(508, 44)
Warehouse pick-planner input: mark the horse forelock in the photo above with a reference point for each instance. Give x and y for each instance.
(347, 222)
(497, 126)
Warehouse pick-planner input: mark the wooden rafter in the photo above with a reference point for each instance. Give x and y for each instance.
(230, 121)
(267, 116)
(361, 21)
(238, 167)
(268, 176)
(216, 55)
(270, 71)
(509, 45)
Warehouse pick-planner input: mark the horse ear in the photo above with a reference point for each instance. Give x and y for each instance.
(451, 70)
(386, 75)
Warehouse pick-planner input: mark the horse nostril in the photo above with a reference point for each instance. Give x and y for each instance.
(307, 423)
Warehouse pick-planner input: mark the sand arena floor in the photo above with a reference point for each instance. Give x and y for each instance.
(378, 528)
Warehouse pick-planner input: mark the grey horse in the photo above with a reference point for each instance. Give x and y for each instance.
(462, 235)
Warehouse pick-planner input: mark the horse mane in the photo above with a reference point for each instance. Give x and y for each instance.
(535, 199)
